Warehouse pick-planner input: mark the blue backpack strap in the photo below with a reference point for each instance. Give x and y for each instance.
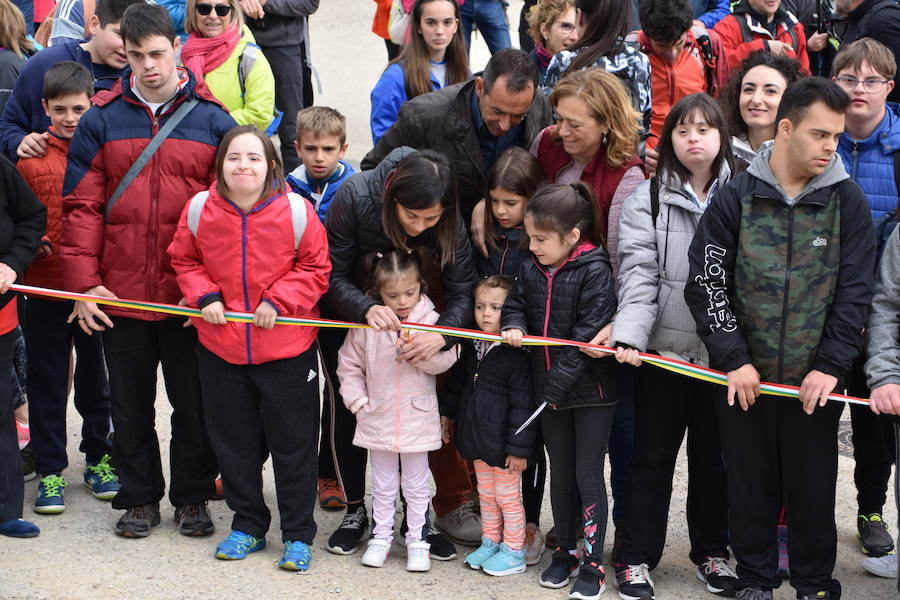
(195, 209)
(298, 217)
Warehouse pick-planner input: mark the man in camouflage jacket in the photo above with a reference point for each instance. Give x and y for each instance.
(780, 282)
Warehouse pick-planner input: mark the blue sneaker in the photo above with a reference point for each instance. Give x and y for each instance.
(19, 529)
(238, 545)
(505, 562)
(296, 557)
(484, 552)
(101, 479)
(50, 495)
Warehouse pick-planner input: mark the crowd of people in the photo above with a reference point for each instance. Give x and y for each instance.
(710, 183)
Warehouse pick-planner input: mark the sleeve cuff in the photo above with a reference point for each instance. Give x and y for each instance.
(272, 304)
(207, 299)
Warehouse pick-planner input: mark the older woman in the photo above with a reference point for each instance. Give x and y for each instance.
(222, 51)
(551, 24)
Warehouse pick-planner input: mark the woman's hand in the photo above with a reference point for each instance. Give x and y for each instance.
(476, 226)
(214, 313)
(381, 318)
(265, 315)
(601, 339)
(513, 337)
(516, 464)
(421, 346)
(86, 312)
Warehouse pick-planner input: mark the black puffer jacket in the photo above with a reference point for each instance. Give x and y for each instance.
(355, 229)
(23, 220)
(507, 257)
(488, 401)
(574, 303)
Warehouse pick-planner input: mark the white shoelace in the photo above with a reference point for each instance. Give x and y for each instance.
(720, 566)
(637, 574)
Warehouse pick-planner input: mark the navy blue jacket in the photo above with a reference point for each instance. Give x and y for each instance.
(870, 162)
(507, 257)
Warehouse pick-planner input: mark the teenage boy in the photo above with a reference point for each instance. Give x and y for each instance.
(877, 19)
(869, 147)
(780, 282)
(23, 125)
(48, 334)
(762, 25)
(114, 244)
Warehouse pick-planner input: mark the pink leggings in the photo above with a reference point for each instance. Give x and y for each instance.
(387, 481)
(502, 513)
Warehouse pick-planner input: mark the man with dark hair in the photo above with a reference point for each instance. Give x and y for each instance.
(762, 25)
(23, 125)
(780, 282)
(705, 12)
(877, 19)
(116, 228)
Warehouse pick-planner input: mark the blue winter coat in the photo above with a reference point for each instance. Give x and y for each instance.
(870, 162)
(507, 257)
(319, 193)
(388, 96)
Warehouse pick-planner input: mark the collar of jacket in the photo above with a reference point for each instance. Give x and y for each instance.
(886, 135)
(188, 85)
(766, 186)
(675, 193)
(782, 17)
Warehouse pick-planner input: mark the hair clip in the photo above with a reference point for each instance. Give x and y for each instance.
(379, 255)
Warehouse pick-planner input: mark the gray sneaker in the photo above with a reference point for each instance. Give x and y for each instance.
(882, 566)
(873, 535)
(461, 525)
(754, 594)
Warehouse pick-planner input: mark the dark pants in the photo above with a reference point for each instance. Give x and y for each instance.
(287, 67)
(12, 489)
(576, 441)
(621, 441)
(134, 349)
(49, 341)
(280, 399)
(776, 454)
(533, 479)
(393, 50)
(665, 406)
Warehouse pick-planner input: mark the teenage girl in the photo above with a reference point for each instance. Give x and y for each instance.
(247, 245)
(395, 404)
(566, 291)
(434, 58)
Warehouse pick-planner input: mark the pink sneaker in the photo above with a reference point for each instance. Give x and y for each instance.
(24, 433)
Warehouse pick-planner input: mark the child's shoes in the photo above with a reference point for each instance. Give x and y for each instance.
(505, 562)
(588, 586)
(296, 557)
(376, 553)
(417, 557)
(483, 553)
(238, 545)
(101, 479)
(50, 500)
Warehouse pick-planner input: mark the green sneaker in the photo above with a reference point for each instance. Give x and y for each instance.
(101, 479)
(50, 495)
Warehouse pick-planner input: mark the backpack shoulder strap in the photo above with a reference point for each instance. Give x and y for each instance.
(245, 65)
(298, 216)
(195, 209)
(654, 198)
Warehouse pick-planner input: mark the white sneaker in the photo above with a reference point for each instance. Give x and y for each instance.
(883, 566)
(417, 556)
(376, 553)
(534, 544)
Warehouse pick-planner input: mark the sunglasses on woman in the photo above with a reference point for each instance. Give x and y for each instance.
(221, 9)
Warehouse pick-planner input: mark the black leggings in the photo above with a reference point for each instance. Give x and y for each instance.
(533, 479)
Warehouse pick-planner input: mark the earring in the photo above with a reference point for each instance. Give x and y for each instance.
(605, 137)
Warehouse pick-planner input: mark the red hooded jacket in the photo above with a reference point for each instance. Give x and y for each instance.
(744, 23)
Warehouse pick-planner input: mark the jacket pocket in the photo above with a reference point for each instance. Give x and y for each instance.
(373, 405)
(425, 403)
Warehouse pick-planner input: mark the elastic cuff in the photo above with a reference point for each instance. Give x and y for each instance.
(272, 304)
(207, 299)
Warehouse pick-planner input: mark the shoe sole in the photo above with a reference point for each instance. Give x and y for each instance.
(711, 589)
(292, 566)
(341, 551)
(29, 476)
(443, 558)
(30, 534)
(418, 569)
(332, 503)
(101, 495)
(533, 561)
(577, 596)
(556, 586)
(874, 552)
(49, 510)
(197, 532)
(624, 596)
(138, 534)
(505, 572)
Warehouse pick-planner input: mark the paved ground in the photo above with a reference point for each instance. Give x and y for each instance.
(78, 558)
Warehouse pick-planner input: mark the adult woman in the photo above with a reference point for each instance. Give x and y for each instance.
(408, 201)
(552, 27)
(751, 98)
(15, 48)
(221, 51)
(435, 57)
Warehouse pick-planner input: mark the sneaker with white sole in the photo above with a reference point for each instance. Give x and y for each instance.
(534, 544)
(634, 583)
(719, 576)
(346, 537)
(505, 561)
(376, 553)
(589, 585)
(486, 550)
(883, 566)
(417, 556)
(563, 567)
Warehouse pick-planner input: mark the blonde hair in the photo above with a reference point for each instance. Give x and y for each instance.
(321, 120)
(190, 15)
(606, 97)
(12, 30)
(545, 12)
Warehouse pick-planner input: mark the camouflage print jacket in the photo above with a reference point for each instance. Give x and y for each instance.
(783, 284)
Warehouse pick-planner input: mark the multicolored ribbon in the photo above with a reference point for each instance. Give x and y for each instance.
(670, 364)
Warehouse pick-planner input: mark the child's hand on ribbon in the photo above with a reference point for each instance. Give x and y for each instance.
(214, 313)
(513, 337)
(265, 315)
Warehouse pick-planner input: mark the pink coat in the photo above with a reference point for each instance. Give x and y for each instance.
(402, 412)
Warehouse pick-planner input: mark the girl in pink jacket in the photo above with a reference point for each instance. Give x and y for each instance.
(395, 404)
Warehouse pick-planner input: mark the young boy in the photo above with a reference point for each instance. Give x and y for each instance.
(321, 145)
(48, 335)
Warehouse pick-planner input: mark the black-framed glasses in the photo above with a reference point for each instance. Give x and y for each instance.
(870, 85)
(222, 10)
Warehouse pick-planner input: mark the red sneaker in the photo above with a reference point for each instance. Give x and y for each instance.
(331, 497)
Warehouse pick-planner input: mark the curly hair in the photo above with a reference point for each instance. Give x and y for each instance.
(546, 12)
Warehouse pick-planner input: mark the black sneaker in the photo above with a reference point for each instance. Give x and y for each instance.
(719, 576)
(346, 538)
(873, 535)
(634, 583)
(28, 461)
(194, 520)
(441, 546)
(588, 586)
(137, 520)
(563, 566)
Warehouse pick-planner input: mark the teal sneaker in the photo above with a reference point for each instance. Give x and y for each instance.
(238, 545)
(484, 552)
(50, 495)
(101, 479)
(296, 557)
(505, 562)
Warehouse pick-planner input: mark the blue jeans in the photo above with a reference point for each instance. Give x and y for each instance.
(490, 17)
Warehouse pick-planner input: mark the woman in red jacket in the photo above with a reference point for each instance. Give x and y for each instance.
(246, 245)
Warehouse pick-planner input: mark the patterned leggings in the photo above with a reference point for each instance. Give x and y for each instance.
(502, 513)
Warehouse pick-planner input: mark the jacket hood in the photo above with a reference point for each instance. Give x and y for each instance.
(681, 197)
(886, 135)
(299, 174)
(421, 309)
(834, 173)
(378, 177)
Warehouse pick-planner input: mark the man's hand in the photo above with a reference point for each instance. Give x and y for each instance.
(253, 8)
(421, 346)
(7, 277)
(215, 313)
(602, 339)
(476, 226)
(381, 318)
(516, 464)
(43, 251)
(651, 159)
(33, 145)
(815, 389)
(817, 41)
(264, 316)
(743, 383)
(445, 429)
(886, 399)
(513, 337)
(88, 313)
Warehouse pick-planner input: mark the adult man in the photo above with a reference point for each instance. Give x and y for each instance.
(762, 25)
(779, 285)
(869, 147)
(23, 126)
(878, 19)
(117, 247)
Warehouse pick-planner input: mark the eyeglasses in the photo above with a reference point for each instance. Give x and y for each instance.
(567, 28)
(871, 85)
(222, 10)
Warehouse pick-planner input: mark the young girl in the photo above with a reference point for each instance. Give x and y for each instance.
(488, 397)
(395, 404)
(434, 58)
(246, 245)
(655, 230)
(566, 291)
(513, 178)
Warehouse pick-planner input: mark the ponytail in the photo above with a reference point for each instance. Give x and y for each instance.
(561, 208)
(376, 268)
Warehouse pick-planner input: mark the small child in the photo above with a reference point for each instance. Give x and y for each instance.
(566, 291)
(395, 404)
(513, 178)
(321, 145)
(49, 336)
(248, 245)
(488, 397)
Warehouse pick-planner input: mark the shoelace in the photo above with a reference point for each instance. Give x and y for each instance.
(51, 485)
(719, 566)
(352, 520)
(103, 470)
(636, 574)
(241, 542)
